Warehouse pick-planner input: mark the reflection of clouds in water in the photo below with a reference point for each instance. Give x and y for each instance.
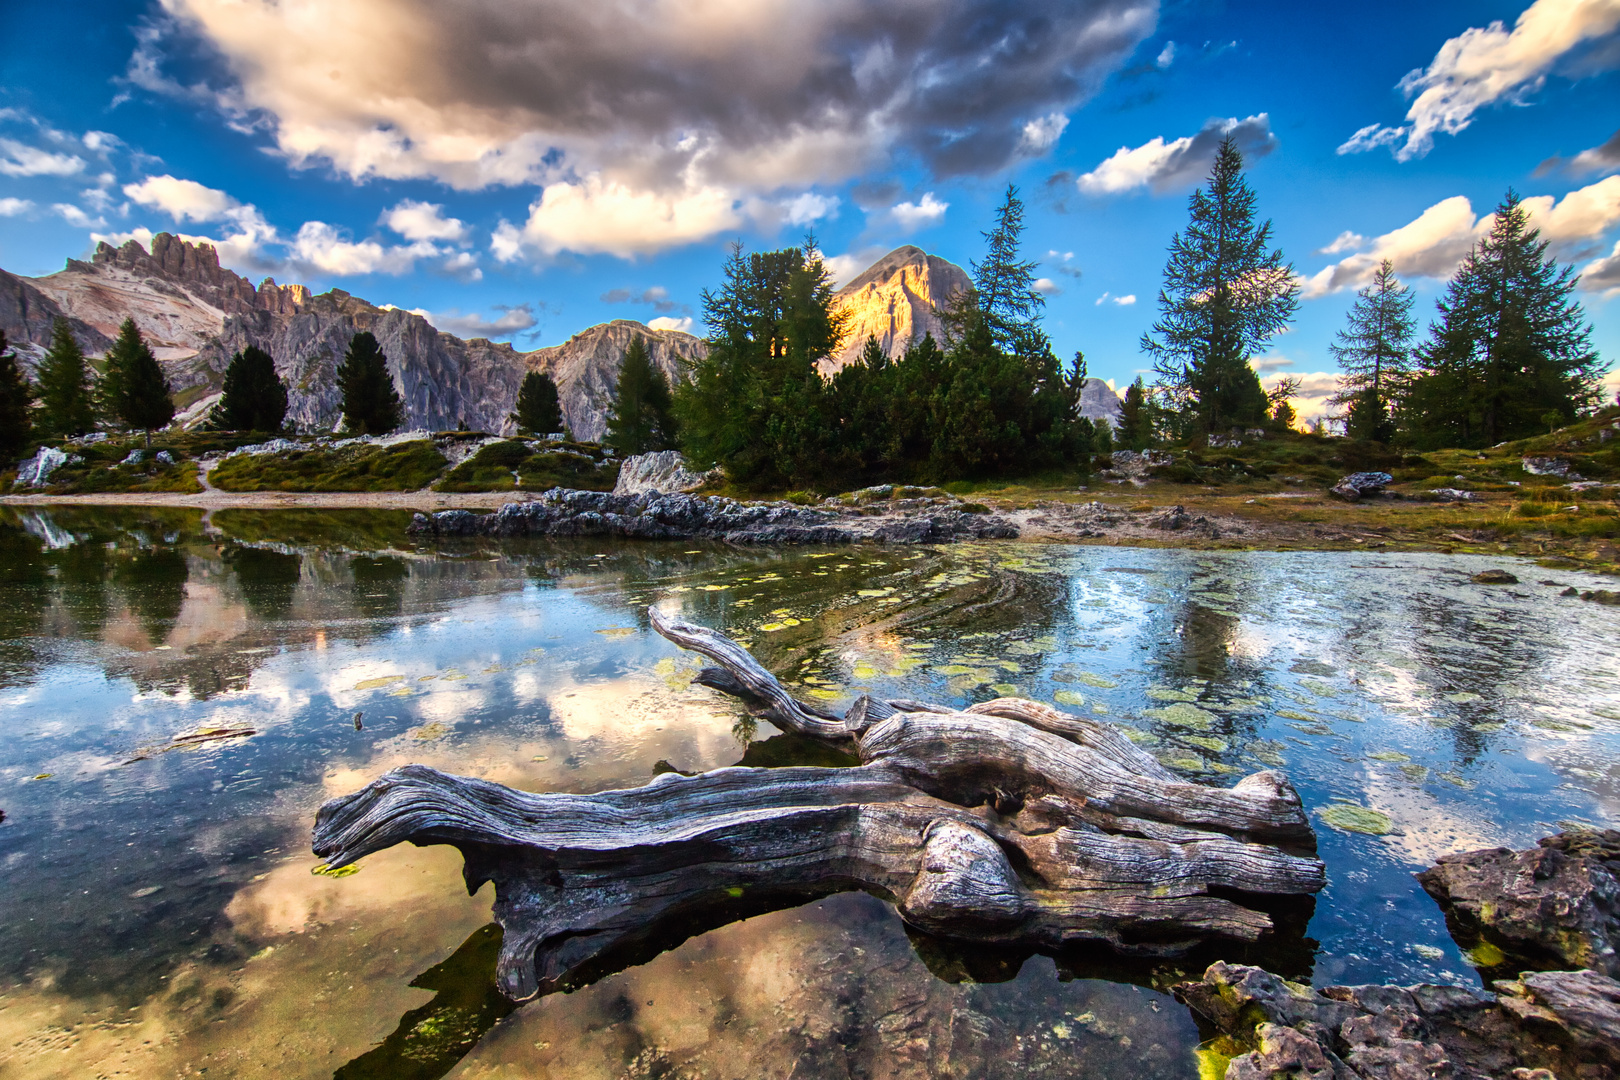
(447, 705)
(1431, 829)
(290, 900)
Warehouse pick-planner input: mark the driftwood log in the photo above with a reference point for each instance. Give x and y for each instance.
(1008, 823)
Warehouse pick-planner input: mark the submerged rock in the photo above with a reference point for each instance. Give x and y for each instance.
(1494, 577)
(562, 512)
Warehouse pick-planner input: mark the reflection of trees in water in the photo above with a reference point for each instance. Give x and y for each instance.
(24, 596)
(267, 579)
(153, 584)
(379, 585)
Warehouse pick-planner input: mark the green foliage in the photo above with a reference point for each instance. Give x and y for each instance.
(406, 466)
(1510, 346)
(102, 468)
(538, 410)
(371, 404)
(513, 465)
(1225, 296)
(1003, 293)
(66, 405)
(1135, 419)
(16, 397)
(133, 388)
(254, 398)
(1374, 351)
(640, 420)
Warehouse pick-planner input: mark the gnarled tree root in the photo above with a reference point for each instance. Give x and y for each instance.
(1011, 823)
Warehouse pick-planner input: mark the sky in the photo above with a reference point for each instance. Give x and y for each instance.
(524, 169)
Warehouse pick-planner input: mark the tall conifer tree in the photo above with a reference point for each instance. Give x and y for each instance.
(134, 388)
(16, 397)
(371, 404)
(640, 420)
(1004, 286)
(1226, 294)
(538, 410)
(1374, 350)
(67, 403)
(254, 397)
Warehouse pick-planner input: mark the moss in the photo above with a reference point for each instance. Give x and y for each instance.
(406, 466)
(1356, 819)
(516, 465)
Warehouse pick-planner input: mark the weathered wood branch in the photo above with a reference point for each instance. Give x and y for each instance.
(1010, 823)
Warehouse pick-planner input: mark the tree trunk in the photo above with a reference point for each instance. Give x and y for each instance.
(1009, 823)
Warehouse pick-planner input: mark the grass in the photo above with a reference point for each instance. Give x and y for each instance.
(517, 465)
(406, 466)
(102, 469)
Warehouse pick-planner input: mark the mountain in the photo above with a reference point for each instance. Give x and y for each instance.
(894, 301)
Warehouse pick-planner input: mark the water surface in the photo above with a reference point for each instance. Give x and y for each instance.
(177, 696)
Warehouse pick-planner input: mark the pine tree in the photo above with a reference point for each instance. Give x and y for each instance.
(1510, 347)
(67, 405)
(16, 395)
(1374, 351)
(1003, 288)
(538, 410)
(1225, 295)
(254, 397)
(1135, 431)
(135, 390)
(371, 404)
(640, 420)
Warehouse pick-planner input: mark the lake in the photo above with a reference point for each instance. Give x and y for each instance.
(178, 694)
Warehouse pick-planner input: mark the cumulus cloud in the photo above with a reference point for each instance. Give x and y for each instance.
(1047, 287)
(1345, 241)
(20, 159)
(76, 217)
(1603, 275)
(1599, 159)
(10, 207)
(424, 221)
(850, 265)
(328, 250)
(664, 322)
(182, 200)
(599, 216)
(1481, 67)
(750, 99)
(1166, 166)
(1440, 237)
(1122, 301)
(1167, 56)
(512, 321)
(1311, 400)
(924, 212)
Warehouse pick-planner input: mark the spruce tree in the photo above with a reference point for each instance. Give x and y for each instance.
(1510, 347)
(134, 389)
(1135, 431)
(254, 397)
(640, 420)
(538, 410)
(67, 404)
(1225, 295)
(371, 404)
(1003, 288)
(16, 395)
(1374, 351)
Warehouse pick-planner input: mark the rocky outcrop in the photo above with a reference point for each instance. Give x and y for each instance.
(895, 301)
(660, 473)
(28, 317)
(1564, 1021)
(561, 512)
(1099, 403)
(1555, 905)
(586, 369)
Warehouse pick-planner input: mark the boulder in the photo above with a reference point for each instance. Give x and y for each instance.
(661, 473)
(1494, 577)
(1360, 485)
(1447, 494)
(37, 470)
(1549, 466)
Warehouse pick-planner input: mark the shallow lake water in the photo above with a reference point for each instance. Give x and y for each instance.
(177, 697)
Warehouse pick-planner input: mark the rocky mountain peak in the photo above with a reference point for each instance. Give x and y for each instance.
(895, 300)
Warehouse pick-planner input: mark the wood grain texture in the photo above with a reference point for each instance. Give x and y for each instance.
(1010, 823)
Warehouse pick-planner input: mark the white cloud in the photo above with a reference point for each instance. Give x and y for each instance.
(506, 243)
(424, 221)
(1434, 243)
(920, 214)
(10, 207)
(809, 207)
(1040, 134)
(76, 217)
(1311, 399)
(846, 267)
(598, 216)
(1167, 55)
(1122, 301)
(1480, 67)
(464, 265)
(182, 200)
(1047, 287)
(1166, 166)
(1603, 276)
(325, 248)
(511, 321)
(664, 322)
(1372, 137)
(20, 159)
(1345, 241)
(1265, 365)
(101, 141)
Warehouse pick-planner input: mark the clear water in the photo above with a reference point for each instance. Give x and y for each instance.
(159, 916)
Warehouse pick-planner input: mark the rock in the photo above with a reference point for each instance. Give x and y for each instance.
(895, 300)
(1582, 1009)
(1556, 905)
(1135, 465)
(561, 512)
(1602, 596)
(1454, 495)
(661, 472)
(1099, 403)
(1494, 577)
(1285, 1052)
(1363, 484)
(1549, 466)
(1345, 492)
(164, 458)
(37, 470)
(134, 457)
(1570, 591)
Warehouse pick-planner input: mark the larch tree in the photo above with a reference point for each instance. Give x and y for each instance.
(1226, 293)
(254, 397)
(640, 420)
(66, 399)
(1511, 346)
(16, 400)
(371, 404)
(1135, 431)
(1374, 352)
(538, 410)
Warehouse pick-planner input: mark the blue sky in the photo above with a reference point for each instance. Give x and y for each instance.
(526, 168)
